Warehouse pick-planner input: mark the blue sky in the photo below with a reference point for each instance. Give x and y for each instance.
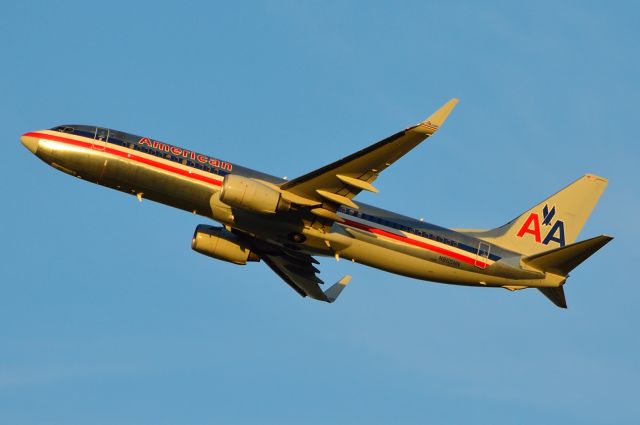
(108, 317)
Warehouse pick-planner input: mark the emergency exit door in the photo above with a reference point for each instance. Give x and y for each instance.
(483, 255)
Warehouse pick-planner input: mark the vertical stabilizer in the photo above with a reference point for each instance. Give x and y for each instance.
(553, 223)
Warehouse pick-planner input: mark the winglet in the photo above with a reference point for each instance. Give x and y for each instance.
(431, 124)
(333, 293)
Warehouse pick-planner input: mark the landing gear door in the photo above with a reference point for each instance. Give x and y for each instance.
(483, 255)
(100, 139)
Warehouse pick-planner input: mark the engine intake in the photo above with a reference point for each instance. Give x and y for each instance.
(249, 194)
(218, 243)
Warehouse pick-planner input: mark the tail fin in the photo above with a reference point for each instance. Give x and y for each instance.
(562, 260)
(555, 222)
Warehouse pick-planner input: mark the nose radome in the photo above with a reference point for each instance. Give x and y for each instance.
(30, 142)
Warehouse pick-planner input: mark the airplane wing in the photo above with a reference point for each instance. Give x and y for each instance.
(299, 273)
(326, 188)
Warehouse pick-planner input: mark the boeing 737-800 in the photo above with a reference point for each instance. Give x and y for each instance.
(285, 223)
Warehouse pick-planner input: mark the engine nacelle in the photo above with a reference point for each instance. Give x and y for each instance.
(218, 243)
(249, 194)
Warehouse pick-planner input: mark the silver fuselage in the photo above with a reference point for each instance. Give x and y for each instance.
(372, 236)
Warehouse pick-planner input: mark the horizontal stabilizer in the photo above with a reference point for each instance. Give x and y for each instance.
(564, 259)
(556, 295)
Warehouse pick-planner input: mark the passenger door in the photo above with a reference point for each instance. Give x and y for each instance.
(100, 139)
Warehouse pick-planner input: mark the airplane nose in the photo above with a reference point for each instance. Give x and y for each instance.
(30, 142)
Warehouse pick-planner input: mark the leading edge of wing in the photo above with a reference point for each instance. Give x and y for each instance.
(367, 163)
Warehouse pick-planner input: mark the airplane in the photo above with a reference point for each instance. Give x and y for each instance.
(285, 223)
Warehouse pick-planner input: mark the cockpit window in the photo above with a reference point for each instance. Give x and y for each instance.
(80, 130)
(64, 129)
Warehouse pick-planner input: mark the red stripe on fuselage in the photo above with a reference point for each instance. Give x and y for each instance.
(417, 243)
(127, 155)
(205, 179)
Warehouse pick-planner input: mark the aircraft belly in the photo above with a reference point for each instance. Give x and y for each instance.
(267, 226)
(432, 269)
(158, 186)
(422, 264)
(400, 262)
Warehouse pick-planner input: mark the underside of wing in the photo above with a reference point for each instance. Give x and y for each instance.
(299, 273)
(338, 183)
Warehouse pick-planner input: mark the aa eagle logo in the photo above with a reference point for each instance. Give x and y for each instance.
(531, 226)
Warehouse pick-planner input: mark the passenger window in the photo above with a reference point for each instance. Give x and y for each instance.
(117, 138)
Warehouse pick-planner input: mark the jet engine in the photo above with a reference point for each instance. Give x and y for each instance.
(218, 243)
(252, 195)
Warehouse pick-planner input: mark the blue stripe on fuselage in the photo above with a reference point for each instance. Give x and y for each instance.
(374, 219)
(413, 230)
